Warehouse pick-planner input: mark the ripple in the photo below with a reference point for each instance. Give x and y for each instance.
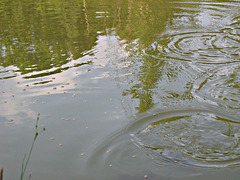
(216, 47)
(191, 136)
(221, 86)
(194, 138)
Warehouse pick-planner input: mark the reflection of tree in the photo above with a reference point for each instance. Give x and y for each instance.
(143, 23)
(149, 73)
(142, 20)
(38, 35)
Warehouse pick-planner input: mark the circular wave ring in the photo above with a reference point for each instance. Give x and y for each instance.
(218, 47)
(198, 138)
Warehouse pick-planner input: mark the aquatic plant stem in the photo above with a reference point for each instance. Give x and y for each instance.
(25, 164)
(1, 173)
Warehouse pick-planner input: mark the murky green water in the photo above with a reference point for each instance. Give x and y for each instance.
(123, 89)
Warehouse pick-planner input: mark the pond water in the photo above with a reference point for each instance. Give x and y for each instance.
(120, 89)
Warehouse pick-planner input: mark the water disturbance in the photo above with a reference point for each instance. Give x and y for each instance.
(121, 89)
(200, 135)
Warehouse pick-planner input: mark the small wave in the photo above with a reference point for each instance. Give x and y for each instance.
(194, 135)
(220, 86)
(216, 47)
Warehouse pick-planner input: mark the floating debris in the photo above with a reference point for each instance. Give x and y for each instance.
(145, 176)
(60, 145)
(74, 95)
(133, 156)
(74, 119)
(82, 154)
(52, 138)
(110, 165)
(108, 151)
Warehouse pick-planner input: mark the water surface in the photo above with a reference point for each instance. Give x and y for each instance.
(123, 90)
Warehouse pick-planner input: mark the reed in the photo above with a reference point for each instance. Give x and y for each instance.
(1, 173)
(26, 159)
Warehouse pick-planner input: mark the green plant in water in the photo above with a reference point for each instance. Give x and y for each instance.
(1, 173)
(25, 163)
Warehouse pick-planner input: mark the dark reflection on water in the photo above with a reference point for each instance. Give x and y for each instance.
(38, 36)
(175, 63)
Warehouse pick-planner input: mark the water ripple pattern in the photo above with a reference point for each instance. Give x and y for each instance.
(196, 138)
(222, 86)
(193, 135)
(216, 47)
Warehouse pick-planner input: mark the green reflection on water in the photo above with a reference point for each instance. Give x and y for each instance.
(38, 35)
(45, 38)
